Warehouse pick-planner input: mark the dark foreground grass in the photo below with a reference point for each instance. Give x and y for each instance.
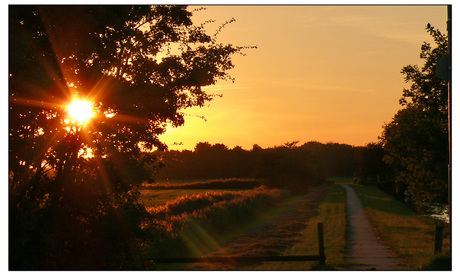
(409, 234)
(331, 212)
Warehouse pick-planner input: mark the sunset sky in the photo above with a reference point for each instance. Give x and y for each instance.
(322, 73)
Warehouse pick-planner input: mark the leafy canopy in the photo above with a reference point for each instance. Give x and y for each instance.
(139, 66)
(417, 138)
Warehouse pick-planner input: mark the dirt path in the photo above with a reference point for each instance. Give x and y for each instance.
(272, 236)
(364, 249)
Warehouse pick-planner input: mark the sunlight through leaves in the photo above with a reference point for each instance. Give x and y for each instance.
(80, 111)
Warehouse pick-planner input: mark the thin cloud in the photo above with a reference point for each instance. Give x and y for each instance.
(226, 87)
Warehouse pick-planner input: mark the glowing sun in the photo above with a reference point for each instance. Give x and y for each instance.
(80, 111)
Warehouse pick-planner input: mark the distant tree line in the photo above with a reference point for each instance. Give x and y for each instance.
(288, 164)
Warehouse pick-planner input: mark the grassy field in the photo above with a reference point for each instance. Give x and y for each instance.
(152, 198)
(331, 212)
(230, 183)
(159, 194)
(409, 234)
(204, 211)
(196, 223)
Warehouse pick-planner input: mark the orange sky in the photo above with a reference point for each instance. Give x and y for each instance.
(323, 73)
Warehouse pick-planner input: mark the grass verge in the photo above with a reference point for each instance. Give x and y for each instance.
(409, 234)
(332, 213)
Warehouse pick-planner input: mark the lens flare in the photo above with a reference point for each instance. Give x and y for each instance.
(80, 111)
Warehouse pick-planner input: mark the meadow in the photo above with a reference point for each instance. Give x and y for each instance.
(195, 220)
(331, 212)
(164, 191)
(192, 222)
(198, 222)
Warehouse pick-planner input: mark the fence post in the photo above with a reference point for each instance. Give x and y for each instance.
(322, 256)
(438, 239)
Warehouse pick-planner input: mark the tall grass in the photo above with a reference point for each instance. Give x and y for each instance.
(190, 203)
(150, 197)
(194, 225)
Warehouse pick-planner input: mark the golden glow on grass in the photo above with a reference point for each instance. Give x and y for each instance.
(80, 111)
(396, 225)
(331, 211)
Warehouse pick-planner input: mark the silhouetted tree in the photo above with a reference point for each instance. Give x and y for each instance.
(256, 148)
(334, 158)
(375, 171)
(217, 161)
(203, 147)
(417, 138)
(139, 66)
(291, 144)
(293, 168)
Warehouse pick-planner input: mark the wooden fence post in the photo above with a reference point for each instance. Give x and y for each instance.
(322, 256)
(438, 239)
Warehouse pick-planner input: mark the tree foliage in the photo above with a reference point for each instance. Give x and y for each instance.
(290, 167)
(375, 171)
(73, 187)
(417, 138)
(284, 166)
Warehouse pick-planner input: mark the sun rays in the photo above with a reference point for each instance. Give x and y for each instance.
(80, 111)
